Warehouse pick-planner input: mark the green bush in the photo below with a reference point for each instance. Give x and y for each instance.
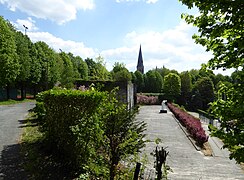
(92, 131)
(71, 123)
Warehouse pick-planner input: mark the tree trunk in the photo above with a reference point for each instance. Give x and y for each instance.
(8, 91)
(112, 171)
(22, 90)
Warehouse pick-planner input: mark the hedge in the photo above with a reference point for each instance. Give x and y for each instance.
(71, 123)
(192, 124)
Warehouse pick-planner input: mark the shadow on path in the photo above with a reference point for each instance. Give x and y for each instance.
(11, 165)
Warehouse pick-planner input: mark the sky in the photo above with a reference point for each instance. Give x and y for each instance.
(113, 29)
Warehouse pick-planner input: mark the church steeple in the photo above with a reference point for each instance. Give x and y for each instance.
(140, 66)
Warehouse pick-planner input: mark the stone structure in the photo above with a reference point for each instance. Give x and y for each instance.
(126, 92)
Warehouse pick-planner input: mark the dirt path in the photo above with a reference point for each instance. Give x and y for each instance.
(11, 118)
(185, 161)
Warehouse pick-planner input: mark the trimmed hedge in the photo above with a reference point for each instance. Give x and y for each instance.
(71, 123)
(192, 124)
(147, 100)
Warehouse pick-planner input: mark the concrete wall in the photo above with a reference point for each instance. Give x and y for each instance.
(126, 91)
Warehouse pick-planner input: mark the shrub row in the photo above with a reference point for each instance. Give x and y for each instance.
(192, 124)
(147, 100)
(90, 130)
(71, 123)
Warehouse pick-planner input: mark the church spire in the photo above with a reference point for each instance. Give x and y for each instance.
(140, 66)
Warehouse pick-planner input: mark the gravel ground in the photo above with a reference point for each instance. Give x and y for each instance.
(11, 118)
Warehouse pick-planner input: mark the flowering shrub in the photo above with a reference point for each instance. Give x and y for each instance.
(148, 100)
(192, 124)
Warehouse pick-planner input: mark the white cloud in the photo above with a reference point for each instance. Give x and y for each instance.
(77, 48)
(60, 11)
(29, 23)
(147, 1)
(173, 48)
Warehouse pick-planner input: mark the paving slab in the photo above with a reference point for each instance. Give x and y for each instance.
(185, 161)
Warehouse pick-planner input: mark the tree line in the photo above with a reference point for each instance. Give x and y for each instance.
(194, 89)
(38, 66)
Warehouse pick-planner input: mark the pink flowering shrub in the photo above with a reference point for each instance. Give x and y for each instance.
(192, 124)
(148, 100)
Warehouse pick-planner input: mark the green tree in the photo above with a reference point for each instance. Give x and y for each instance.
(186, 87)
(68, 75)
(123, 134)
(50, 70)
(22, 43)
(139, 81)
(8, 57)
(203, 93)
(153, 82)
(172, 86)
(163, 71)
(36, 67)
(96, 69)
(82, 68)
(120, 73)
(221, 27)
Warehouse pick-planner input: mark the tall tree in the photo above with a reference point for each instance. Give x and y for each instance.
(23, 42)
(97, 69)
(120, 72)
(139, 81)
(153, 82)
(186, 87)
(203, 93)
(8, 57)
(82, 68)
(36, 67)
(172, 86)
(221, 27)
(68, 76)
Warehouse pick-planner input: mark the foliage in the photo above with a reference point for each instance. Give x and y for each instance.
(186, 87)
(91, 130)
(230, 112)
(68, 74)
(139, 81)
(123, 134)
(120, 73)
(147, 100)
(96, 69)
(72, 126)
(8, 57)
(221, 27)
(153, 81)
(36, 66)
(192, 124)
(202, 94)
(172, 86)
(22, 43)
(163, 71)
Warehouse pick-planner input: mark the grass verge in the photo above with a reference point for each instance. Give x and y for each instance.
(39, 161)
(11, 101)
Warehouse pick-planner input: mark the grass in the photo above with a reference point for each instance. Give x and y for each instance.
(11, 101)
(40, 160)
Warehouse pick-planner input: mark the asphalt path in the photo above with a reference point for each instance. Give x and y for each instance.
(11, 118)
(186, 162)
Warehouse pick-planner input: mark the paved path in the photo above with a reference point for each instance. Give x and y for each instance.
(11, 117)
(186, 162)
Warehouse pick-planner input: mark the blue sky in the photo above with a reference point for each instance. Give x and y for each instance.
(113, 29)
